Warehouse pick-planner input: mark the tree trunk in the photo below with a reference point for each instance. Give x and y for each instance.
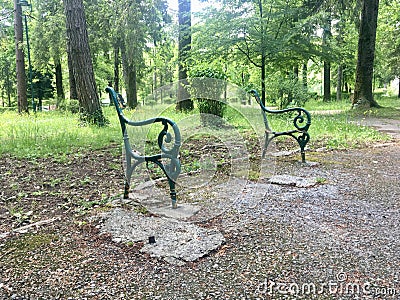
(59, 81)
(131, 88)
(73, 94)
(327, 81)
(326, 35)
(130, 76)
(339, 83)
(184, 47)
(363, 94)
(398, 93)
(20, 60)
(116, 66)
(82, 65)
(304, 75)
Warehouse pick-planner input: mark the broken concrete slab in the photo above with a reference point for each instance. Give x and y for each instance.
(182, 212)
(283, 153)
(175, 241)
(293, 181)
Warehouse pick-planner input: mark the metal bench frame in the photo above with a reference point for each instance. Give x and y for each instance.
(133, 158)
(301, 122)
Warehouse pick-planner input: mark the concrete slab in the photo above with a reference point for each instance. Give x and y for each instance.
(173, 240)
(182, 212)
(293, 181)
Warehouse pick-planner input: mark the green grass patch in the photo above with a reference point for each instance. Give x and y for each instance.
(319, 104)
(53, 133)
(390, 108)
(339, 131)
(58, 134)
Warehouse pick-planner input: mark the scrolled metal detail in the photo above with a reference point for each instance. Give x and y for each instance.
(303, 116)
(299, 119)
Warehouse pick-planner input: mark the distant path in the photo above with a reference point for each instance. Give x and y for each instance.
(326, 112)
(388, 126)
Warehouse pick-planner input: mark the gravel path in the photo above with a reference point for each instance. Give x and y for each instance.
(336, 240)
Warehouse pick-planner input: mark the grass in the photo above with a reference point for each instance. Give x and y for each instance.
(390, 107)
(56, 134)
(313, 105)
(52, 134)
(339, 131)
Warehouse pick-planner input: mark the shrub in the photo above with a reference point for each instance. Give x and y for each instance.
(208, 88)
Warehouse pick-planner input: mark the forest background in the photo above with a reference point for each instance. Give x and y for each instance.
(295, 50)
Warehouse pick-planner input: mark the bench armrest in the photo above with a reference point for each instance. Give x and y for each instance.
(164, 135)
(298, 121)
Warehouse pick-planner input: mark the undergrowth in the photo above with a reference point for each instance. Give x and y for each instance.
(56, 134)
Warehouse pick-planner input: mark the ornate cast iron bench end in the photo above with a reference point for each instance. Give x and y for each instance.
(301, 122)
(133, 158)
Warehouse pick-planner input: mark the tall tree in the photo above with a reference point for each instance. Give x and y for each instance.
(19, 58)
(184, 47)
(387, 53)
(49, 42)
(363, 95)
(82, 67)
(326, 35)
(7, 52)
(268, 34)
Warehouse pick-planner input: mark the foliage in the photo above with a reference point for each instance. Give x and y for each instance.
(234, 36)
(69, 105)
(286, 91)
(211, 107)
(42, 85)
(387, 65)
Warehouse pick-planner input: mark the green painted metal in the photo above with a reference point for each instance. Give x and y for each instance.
(133, 159)
(301, 122)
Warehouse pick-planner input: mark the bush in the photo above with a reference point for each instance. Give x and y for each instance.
(208, 88)
(71, 105)
(285, 91)
(211, 111)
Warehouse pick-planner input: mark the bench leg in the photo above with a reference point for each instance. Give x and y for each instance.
(303, 140)
(268, 139)
(126, 190)
(172, 193)
(303, 156)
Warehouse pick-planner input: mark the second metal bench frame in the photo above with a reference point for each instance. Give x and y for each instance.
(301, 122)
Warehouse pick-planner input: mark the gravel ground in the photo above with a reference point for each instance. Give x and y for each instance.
(336, 240)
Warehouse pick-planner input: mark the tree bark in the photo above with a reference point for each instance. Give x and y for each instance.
(327, 81)
(131, 89)
(130, 76)
(304, 75)
(82, 65)
(73, 94)
(363, 92)
(327, 64)
(398, 94)
(184, 47)
(339, 83)
(59, 81)
(19, 59)
(116, 65)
